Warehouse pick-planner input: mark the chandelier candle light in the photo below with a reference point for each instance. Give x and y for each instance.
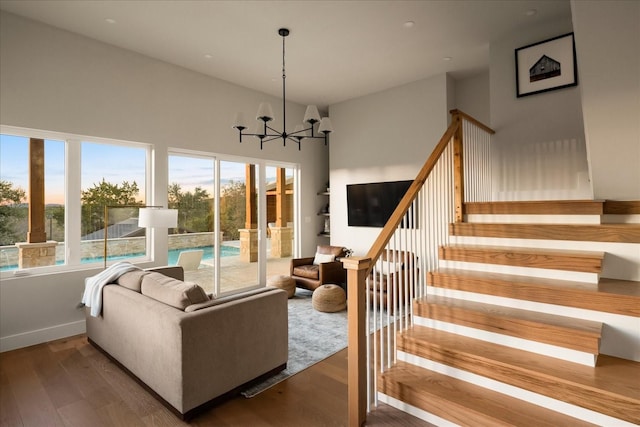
(265, 133)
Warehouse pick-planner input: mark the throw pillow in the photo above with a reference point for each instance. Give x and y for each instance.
(170, 291)
(322, 258)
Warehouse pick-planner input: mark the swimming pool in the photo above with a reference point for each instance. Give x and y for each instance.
(206, 255)
(173, 254)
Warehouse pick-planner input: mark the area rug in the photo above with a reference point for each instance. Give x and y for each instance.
(313, 336)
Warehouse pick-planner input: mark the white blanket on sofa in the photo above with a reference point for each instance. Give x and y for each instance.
(93, 285)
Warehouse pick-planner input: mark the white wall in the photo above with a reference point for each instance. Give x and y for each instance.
(386, 136)
(539, 145)
(472, 97)
(608, 44)
(58, 81)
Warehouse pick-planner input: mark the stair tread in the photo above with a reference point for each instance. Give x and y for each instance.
(463, 403)
(610, 286)
(512, 321)
(609, 295)
(560, 259)
(543, 207)
(612, 387)
(621, 233)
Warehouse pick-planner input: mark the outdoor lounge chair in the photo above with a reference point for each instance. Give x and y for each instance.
(190, 260)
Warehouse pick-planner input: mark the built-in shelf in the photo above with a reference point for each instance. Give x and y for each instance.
(324, 214)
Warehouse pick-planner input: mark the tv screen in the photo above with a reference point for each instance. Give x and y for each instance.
(371, 205)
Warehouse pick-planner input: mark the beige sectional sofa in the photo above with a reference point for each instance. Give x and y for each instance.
(189, 350)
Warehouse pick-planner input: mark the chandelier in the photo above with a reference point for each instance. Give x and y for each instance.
(266, 133)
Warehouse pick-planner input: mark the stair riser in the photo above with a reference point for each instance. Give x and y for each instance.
(516, 392)
(513, 327)
(620, 333)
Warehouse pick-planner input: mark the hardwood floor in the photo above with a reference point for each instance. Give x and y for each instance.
(69, 383)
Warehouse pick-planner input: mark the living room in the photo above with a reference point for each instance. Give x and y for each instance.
(59, 81)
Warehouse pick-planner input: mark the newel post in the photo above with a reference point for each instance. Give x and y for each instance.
(458, 167)
(357, 268)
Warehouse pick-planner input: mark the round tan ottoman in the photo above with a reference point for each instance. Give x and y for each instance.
(283, 282)
(329, 298)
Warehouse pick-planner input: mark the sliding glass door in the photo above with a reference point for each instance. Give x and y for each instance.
(235, 221)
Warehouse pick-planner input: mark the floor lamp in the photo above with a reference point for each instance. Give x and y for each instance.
(148, 217)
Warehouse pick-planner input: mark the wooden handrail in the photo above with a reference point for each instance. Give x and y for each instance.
(358, 269)
(472, 120)
(394, 220)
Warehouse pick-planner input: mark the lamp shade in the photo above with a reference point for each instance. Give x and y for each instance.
(312, 115)
(240, 122)
(158, 217)
(325, 126)
(265, 112)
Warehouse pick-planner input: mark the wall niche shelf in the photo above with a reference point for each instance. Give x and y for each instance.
(324, 212)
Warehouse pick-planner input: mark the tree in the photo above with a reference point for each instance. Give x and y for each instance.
(11, 212)
(94, 200)
(233, 209)
(194, 208)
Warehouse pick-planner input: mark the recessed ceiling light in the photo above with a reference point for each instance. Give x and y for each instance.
(409, 24)
(110, 21)
(208, 56)
(447, 58)
(531, 12)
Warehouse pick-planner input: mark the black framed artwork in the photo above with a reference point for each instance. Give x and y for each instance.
(546, 65)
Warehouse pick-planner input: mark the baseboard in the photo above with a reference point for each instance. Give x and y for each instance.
(39, 336)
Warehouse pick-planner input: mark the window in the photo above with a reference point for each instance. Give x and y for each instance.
(80, 178)
(14, 197)
(113, 176)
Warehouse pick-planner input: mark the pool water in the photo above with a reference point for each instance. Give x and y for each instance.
(173, 254)
(206, 255)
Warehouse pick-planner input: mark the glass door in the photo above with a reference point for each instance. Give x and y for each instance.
(280, 219)
(192, 244)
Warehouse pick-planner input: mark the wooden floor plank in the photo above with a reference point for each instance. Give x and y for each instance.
(314, 397)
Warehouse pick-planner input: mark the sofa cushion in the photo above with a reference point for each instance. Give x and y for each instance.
(132, 279)
(336, 251)
(322, 258)
(308, 271)
(172, 292)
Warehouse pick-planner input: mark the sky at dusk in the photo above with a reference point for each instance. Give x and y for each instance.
(113, 163)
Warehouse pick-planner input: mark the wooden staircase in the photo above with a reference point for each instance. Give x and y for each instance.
(520, 326)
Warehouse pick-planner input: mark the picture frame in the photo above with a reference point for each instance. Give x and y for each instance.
(547, 65)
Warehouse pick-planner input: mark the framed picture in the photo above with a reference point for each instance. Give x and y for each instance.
(546, 65)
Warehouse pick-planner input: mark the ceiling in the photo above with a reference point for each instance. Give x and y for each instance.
(337, 50)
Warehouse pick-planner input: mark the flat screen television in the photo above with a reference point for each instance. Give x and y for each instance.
(371, 205)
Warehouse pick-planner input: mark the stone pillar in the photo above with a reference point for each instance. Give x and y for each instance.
(36, 254)
(248, 245)
(281, 242)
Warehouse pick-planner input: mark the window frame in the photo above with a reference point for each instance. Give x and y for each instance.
(72, 198)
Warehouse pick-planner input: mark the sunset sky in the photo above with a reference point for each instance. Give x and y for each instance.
(113, 163)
